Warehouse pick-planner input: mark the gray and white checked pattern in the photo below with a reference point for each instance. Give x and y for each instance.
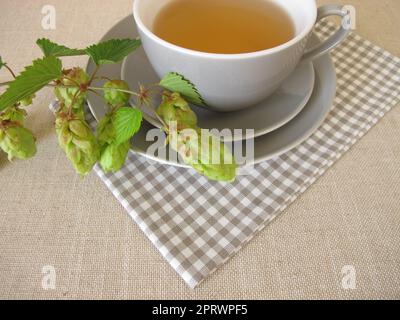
(197, 225)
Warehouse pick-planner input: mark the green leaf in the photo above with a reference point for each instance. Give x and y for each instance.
(127, 122)
(176, 83)
(50, 48)
(112, 51)
(2, 64)
(31, 80)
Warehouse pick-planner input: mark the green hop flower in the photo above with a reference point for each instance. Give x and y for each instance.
(27, 101)
(205, 153)
(18, 142)
(114, 97)
(13, 114)
(73, 77)
(175, 109)
(106, 130)
(79, 143)
(78, 110)
(113, 156)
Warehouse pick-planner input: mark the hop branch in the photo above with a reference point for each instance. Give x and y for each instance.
(109, 144)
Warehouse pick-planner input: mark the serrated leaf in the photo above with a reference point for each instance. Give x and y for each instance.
(112, 51)
(50, 48)
(177, 83)
(31, 80)
(127, 122)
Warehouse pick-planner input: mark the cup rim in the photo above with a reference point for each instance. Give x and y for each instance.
(224, 56)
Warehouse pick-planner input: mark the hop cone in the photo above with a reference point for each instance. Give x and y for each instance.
(79, 143)
(76, 77)
(113, 155)
(78, 111)
(106, 130)
(18, 142)
(13, 114)
(175, 109)
(205, 153)
(114, 97)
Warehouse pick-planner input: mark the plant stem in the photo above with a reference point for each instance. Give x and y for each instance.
(10, 70)
(160, 119)
(73, 101)
(96, 93)
(93, 75)
(102, 78)
(116, 89)
(3, 84)
(153, 85)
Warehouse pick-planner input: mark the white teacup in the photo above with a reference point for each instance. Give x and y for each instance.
(230, 82)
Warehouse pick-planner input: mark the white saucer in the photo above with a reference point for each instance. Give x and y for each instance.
(266, 146)
(269, 115)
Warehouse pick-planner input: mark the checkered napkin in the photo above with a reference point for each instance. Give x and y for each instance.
(197, 225)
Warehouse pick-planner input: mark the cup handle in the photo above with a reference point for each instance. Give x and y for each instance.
(334, 40)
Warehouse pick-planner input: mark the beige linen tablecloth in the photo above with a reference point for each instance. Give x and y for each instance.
(52, 221)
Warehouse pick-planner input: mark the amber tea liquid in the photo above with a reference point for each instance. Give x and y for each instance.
(224, 26)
